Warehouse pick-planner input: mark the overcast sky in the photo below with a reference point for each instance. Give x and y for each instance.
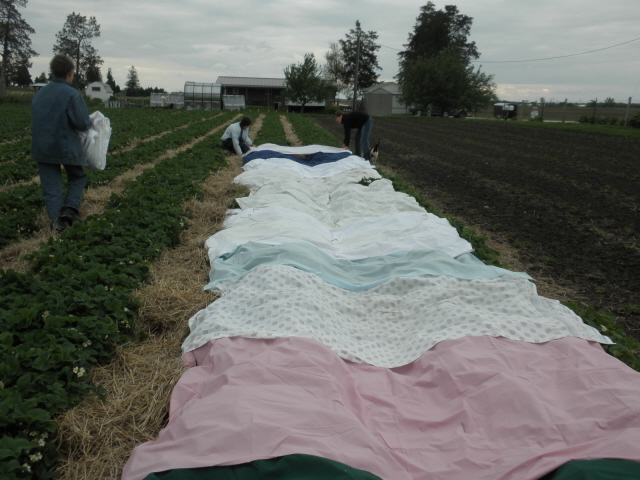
(170, 41)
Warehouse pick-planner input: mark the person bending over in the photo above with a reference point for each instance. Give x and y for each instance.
(58, 113)
(364, 124)
(236, 137)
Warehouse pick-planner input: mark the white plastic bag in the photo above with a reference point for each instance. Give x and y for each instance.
(95, 142)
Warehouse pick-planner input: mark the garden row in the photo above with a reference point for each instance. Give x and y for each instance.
(504, 189)
(20, 206)
(66, 314)
(14, 157)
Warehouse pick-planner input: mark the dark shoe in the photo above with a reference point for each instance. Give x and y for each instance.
(58, 227)
(70, 215)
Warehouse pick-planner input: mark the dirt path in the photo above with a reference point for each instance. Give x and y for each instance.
(289, 133)
(97, 436)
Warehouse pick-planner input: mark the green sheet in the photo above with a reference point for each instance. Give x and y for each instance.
(290, 467)
(601, 469)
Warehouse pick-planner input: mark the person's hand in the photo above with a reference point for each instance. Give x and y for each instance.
(345, 147)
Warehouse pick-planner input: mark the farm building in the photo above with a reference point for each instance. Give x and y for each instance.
(383, 99)
(202, 96)
(99, 90)
(266, 92)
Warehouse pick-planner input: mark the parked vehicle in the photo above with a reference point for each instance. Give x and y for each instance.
(504, 110)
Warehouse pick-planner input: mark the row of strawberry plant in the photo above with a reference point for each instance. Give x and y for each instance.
(19, 207)
(309, 133)
(14, 157)
(13, 151)
(64, 316)
(272, 130)
(15, 122)
(138, 124)
(626, 349)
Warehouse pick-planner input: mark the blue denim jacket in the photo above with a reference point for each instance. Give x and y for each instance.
(57, 111)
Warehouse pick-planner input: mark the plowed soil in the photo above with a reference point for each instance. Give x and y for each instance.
(568, 201)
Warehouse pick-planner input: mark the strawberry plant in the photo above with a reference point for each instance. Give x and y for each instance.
(65, 315)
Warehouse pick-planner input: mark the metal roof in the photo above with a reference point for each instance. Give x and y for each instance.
(252, 82)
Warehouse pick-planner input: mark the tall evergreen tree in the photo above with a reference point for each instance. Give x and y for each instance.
(368, 64)
(14, 39)
(133, 83)
(111, 82)
(18, 72)
(74, 40)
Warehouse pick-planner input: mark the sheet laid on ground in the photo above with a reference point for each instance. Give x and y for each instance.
(348, 274)
(402, 232)
(331, 204)
(389, 325)
(479, 408)
(258, 178)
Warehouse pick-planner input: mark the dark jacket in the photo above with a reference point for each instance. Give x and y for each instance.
(57, 112)
(352, 120)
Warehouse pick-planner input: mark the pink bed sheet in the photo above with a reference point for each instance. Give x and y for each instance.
(471, 408)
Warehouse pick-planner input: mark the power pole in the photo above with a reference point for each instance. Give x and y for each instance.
(355, 86)
(626, 118)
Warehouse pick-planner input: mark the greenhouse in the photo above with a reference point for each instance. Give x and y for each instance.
(202, 96)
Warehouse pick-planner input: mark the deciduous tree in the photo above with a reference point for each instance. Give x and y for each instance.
(15, 40)
(334, 69)
(304, 82)
(436, 66)
(74, 41)
(446, 81)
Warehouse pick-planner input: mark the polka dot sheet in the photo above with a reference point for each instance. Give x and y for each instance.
(388, 326)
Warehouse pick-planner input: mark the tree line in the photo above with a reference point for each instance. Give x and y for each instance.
(74, 41)
(435, 67)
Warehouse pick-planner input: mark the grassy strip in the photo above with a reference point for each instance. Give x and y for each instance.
(309, 133)
(65, 316)
(626, 349)
(272, 130)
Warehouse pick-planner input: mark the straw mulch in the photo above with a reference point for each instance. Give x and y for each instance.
(98, 436)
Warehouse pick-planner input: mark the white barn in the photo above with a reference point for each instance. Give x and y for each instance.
(383, 99)
(99, 90)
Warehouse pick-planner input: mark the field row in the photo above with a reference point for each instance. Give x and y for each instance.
(15, 164)
(20, 206)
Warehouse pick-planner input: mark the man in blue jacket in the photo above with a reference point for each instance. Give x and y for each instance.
(58, 112)
(236, 137)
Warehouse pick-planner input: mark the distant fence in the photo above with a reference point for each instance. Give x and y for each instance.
(560, 112)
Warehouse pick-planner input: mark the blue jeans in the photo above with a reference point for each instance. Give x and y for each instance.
(52, 189)
(228, 144)
(362, 137)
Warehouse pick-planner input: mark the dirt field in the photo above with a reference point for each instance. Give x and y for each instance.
(568, 202)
